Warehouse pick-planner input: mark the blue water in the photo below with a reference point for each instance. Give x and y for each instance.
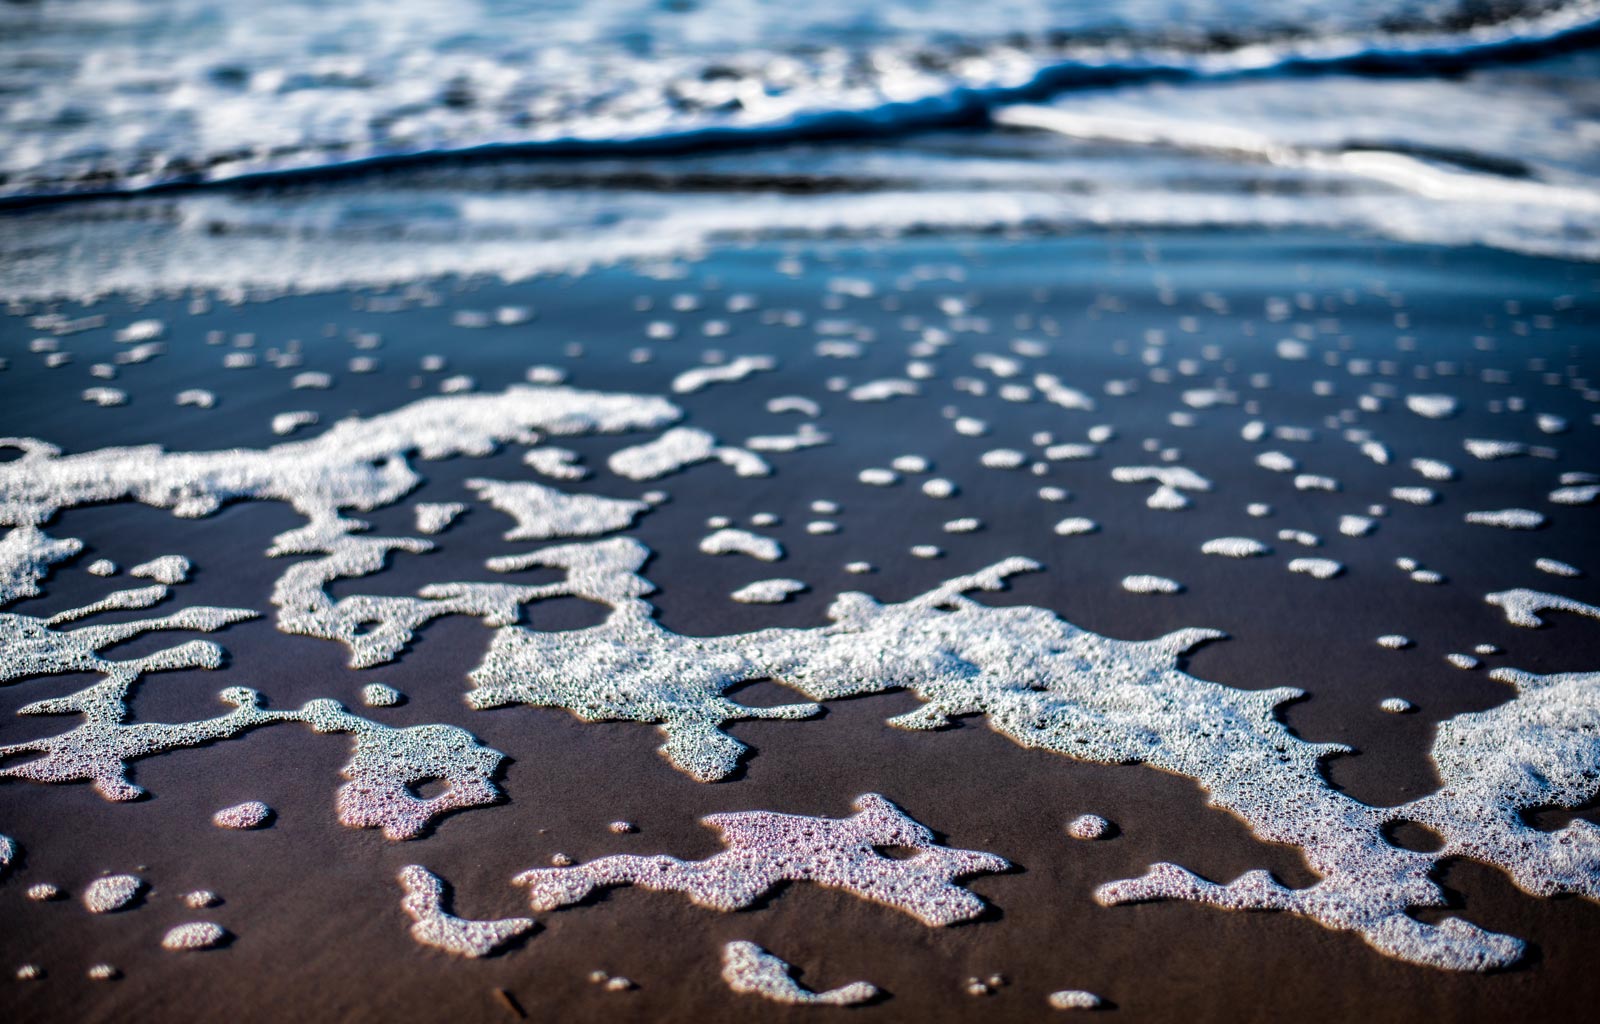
(1433, 120)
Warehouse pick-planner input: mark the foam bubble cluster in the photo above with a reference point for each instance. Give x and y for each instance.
(111, 893)
(194, 936)
(750, 970)
(250, 814)
(765, 848)
(773, 591)
(433, 926)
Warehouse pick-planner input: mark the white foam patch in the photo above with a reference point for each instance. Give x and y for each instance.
(604, 673)
(741, 542)
(543, 513)
(355, 464)
(807, 436)
(773, 591)
(1316, 568)
(1147, 584)
(1433, 469)
(883, 390)
(702, 377)
(286, 423)
(1073, 999)
(765, 848)
(1488, 450)
(555, 463)
(1060, 394)
(1357, 526)
(1235, 547)
(1522, 606)
(1088, 826)
(1584, 494)
(433, 926)
(1171, 481)
(436, 516)
(111, 893)
(378, 695)
(1508, 519)
(250, 814)
(1433, 407)
(168, 569)
(1557, 568)
(1075, 526)
(195, 935)
(794, 403)
(26, 554)
(1047, 684)
(1414, 495)
(678, 449)
(750, 970)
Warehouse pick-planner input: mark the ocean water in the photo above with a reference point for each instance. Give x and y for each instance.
(516, 138)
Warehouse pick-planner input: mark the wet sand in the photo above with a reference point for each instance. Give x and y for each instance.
(314, 906)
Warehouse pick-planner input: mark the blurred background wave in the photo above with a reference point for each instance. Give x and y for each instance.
(378, 141)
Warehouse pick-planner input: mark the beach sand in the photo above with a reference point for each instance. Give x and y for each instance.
(314, 906)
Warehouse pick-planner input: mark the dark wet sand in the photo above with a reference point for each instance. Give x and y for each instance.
(314, 905)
